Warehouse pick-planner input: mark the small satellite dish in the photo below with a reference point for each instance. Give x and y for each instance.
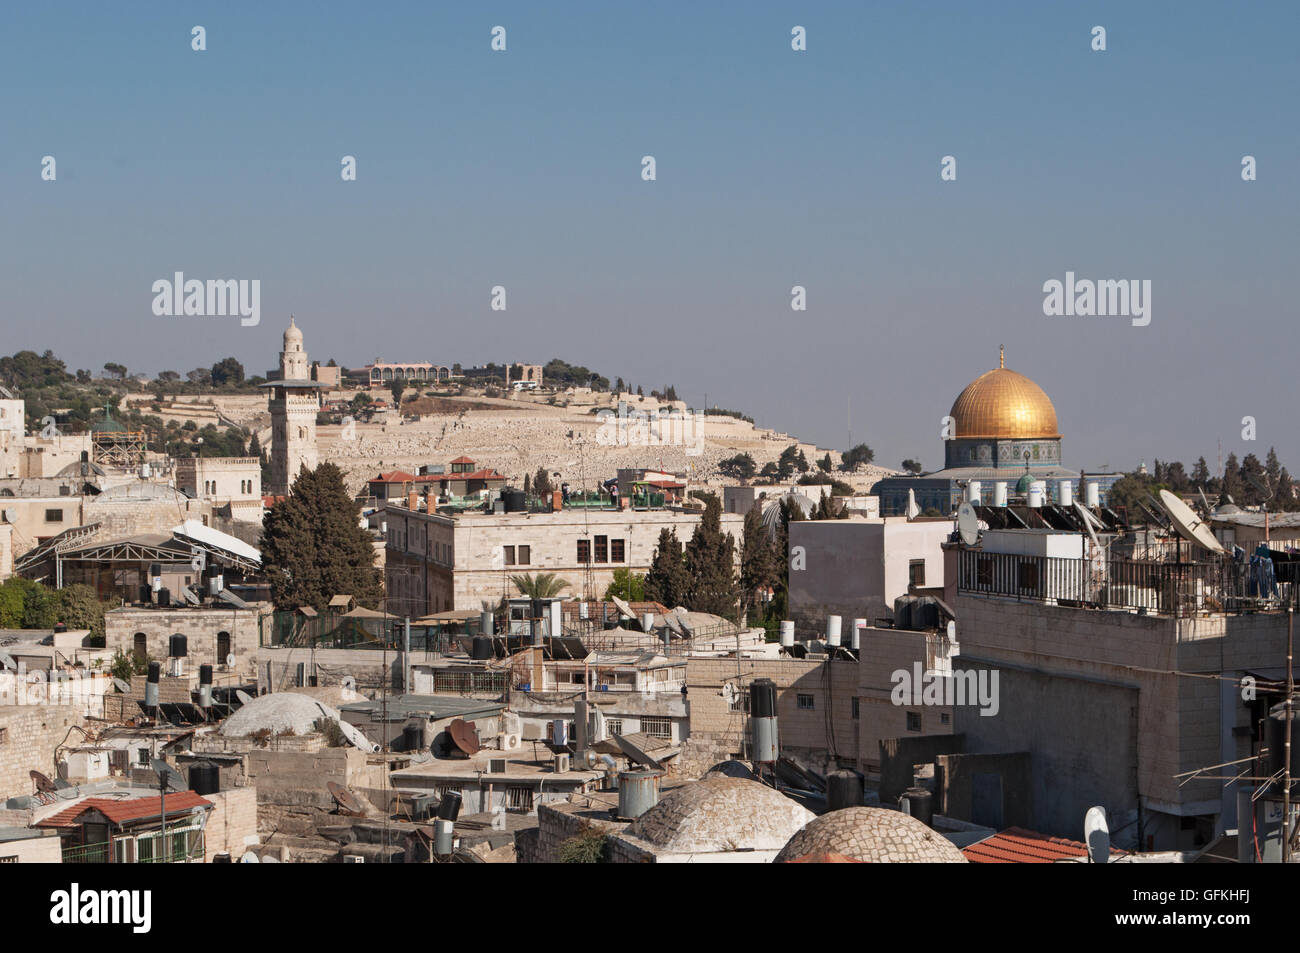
(345, 799)
(243, 696)
(968, 524)
(1097, 835)
(951, 629)
(673, 624)
(11, 515)
(249, 858)
(684, 621)
(7, 661)
(230, 660)
(729, 693)
(350, 683)
(168, 776)
(1188, 524)
(356, 738)
(623, 607)
(121, 686)
(43, 784)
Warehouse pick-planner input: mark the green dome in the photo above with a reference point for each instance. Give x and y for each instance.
(1022, 485)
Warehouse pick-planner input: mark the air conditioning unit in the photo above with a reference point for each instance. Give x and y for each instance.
(508, 740)
(496, 766)
(353, 859)
(562, 763)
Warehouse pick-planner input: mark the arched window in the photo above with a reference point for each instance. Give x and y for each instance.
(140, 646)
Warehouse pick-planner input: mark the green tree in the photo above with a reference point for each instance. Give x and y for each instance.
(627, 585)
(227, 371)
(739, 467)
(710, 565)
(1201, 472)
(544, 585)
(397, 386)
(542, 484)
(912, 466)
(759, 565)
(126, 664)
(856, 457)
(824, 464)
(313, 547)
(667, 581)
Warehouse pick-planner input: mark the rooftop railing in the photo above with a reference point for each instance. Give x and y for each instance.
(1160, 588)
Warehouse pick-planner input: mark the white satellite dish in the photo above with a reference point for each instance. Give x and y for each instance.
(11, 515)
(968, 524)
(350, 683)
(249, 858)
(623, 607)
(729, 693)
(243, 696)
(1190, 526)
(913, 511)
(1097, 835)
(356, 738)
(230, 660)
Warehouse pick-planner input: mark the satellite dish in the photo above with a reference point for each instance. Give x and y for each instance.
(1086, 518)
(249, 858)
(345, 799)
(168, 776)
(43, 784)
(623, 607)
(464, 736)
(673, 624)
(684, 621)
(350, 683)
(1188, 524)
(230, 660)
(729, 693)
(7, 661)
(1097, 834)
(243, 696)
(913, 511)
(951, 629)
(11, 515)
(121, 686)
(968, 524)
(356, 738)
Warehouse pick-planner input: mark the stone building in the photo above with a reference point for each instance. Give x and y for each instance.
(870, 835)
(28, 736)
(437, 563)
(213, 633)
(294, 403)
(234, 483)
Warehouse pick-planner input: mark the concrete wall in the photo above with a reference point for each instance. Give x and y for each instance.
(898, 756)
(882, 653)
(33, 850)
(857, 567)
(137, 517)
(993, 790)
(28, 736)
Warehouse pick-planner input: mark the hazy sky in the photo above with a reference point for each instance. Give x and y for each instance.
(775, 168)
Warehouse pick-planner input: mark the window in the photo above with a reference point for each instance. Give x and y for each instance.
(140, 647)
(9, 859)
(525, 555)
(806, 703)
(602, 549)
(614, 726)
(223, 647)
(916, 572)
(54, 516)
(584, 550)
(945, 718)
(658, 728)
(142, 756)
(913, 721)
(509, 552)
(4, 736)
(616, 551)
(519, 798)
(853, 707)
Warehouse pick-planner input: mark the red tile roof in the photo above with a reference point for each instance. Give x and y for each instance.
(120, 811)
(462, 460)
(394, 476)
(1016, 845)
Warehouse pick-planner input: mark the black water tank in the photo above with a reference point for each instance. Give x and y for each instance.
(155, 672)
(449, 806)
(1275, 738)
(177, 646)
(843, 789)
(413, 737)
(205, 674)
(480, 648)
(920, 804)
(164, 597)
(762, 698)
(146, 594)
(205, 778)
(514, 500)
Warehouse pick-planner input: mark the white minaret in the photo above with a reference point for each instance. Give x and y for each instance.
(295, 401)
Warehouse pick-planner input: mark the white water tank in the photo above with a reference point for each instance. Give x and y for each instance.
(787, 634)
(1092, 493)
(973, 492)
(832, 630)
(855, 636)
(1065, 493)
(1037, 493)
(1000, 494)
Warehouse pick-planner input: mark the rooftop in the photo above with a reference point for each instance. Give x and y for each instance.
(123, 811)
(1016, 845)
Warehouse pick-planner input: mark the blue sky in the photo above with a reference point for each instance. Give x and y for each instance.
(775, 168)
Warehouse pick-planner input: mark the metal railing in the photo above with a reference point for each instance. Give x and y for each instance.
(1161, 588)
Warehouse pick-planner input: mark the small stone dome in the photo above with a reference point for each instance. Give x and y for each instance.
(873, 835)
(277, 713)
(720, 814)
(291, 334)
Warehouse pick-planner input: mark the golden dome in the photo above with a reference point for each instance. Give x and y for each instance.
(1003, 404)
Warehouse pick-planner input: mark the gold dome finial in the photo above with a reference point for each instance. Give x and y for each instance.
(1002, 356)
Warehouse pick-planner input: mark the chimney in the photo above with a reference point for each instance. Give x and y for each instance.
(413, 500)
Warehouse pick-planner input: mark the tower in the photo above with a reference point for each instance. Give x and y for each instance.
(294, 403)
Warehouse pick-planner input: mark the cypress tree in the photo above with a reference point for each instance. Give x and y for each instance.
(667, 581)
(710, 564)
(313, 547)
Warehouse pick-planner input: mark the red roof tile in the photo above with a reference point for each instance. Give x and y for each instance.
(462, 460)
(1016, 845)
(120, 811)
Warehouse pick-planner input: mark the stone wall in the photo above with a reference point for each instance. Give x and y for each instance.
(28, 736)
(201, 627)
(232, 823)
(556, 823)
(810, 735)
